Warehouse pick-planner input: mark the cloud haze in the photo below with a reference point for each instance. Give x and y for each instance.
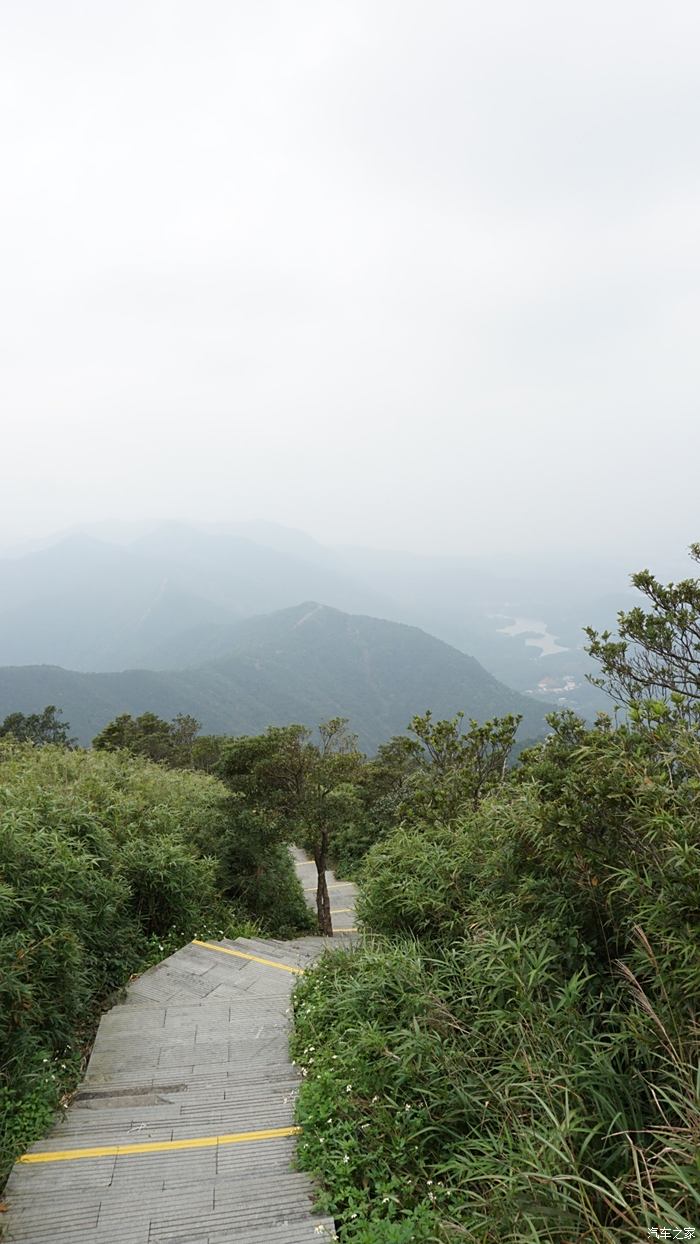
(409, 274)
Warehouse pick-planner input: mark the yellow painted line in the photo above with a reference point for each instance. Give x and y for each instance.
(336, 931)
(159, 1146)
(239, 954)
(336, 885)
(341, 911)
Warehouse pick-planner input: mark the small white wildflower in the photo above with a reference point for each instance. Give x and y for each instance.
(407, 1108)
(348, 1088)
(430, 1183)
(346, 1159)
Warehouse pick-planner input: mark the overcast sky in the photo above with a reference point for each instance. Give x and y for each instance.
(421, 275)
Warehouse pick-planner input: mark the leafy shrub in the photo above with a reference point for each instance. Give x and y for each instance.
(520, 1061)
(106, 863)
(258, 873)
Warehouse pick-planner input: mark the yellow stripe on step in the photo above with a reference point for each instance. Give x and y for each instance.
(341, 911)
(336, 885)
(240, 954)
(159, 1146)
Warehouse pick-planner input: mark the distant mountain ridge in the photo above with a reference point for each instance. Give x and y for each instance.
(89, 605)
(303, 664)
(159, 595)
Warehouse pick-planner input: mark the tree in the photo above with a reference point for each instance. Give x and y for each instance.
(307, 787)
(38, 728)
(459, 768)
(657, 653)
(172, 743)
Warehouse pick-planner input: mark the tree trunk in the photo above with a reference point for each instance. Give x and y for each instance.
(323, 902)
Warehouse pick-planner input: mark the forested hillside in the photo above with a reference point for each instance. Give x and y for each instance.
(144, 595)
(298, 665)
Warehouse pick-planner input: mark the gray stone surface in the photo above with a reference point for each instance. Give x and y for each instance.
(197, 1050)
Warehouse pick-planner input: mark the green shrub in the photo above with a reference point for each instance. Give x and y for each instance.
(518, 1057)
(476, 1094)
(107, 862)
(258, 873)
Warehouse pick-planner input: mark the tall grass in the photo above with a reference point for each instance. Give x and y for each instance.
(514, 1055)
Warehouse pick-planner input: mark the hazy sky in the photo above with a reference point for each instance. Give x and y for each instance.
(412, 274)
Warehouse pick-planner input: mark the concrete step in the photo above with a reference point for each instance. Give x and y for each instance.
(197, 1049)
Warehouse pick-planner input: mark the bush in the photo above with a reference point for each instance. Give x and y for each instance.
(106, 863)
(475, 1096)
(258, 873)
(516, 1057)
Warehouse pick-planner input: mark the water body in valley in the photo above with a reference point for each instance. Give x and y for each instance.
(539, 635)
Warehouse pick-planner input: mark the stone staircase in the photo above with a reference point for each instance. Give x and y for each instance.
(182, 1131)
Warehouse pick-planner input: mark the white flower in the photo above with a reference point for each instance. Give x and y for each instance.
(348, 1088)
(346, 1159)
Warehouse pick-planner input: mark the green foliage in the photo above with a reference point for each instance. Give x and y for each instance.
(381, 785)
(38, 728)
(304, 788)
(459, 767)
(476, 1095)
(107, 863)
(176, 743)
(523, 1054)
(259, 874)
(657, 652)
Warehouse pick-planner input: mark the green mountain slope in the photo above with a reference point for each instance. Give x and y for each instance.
(302, 664)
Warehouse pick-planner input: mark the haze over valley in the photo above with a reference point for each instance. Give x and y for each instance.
(173, 596)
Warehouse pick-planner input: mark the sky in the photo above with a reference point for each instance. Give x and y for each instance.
(412, 275)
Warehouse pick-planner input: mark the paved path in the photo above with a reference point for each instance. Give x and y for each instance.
(341, 893)
(183, 1130)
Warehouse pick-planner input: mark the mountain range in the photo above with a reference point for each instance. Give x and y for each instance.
(110, 597)
(303, 664)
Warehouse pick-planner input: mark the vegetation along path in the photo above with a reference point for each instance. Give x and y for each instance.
(183, 1130)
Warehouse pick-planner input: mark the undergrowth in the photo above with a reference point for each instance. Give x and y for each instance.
(108, 863)
(514, 1055)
